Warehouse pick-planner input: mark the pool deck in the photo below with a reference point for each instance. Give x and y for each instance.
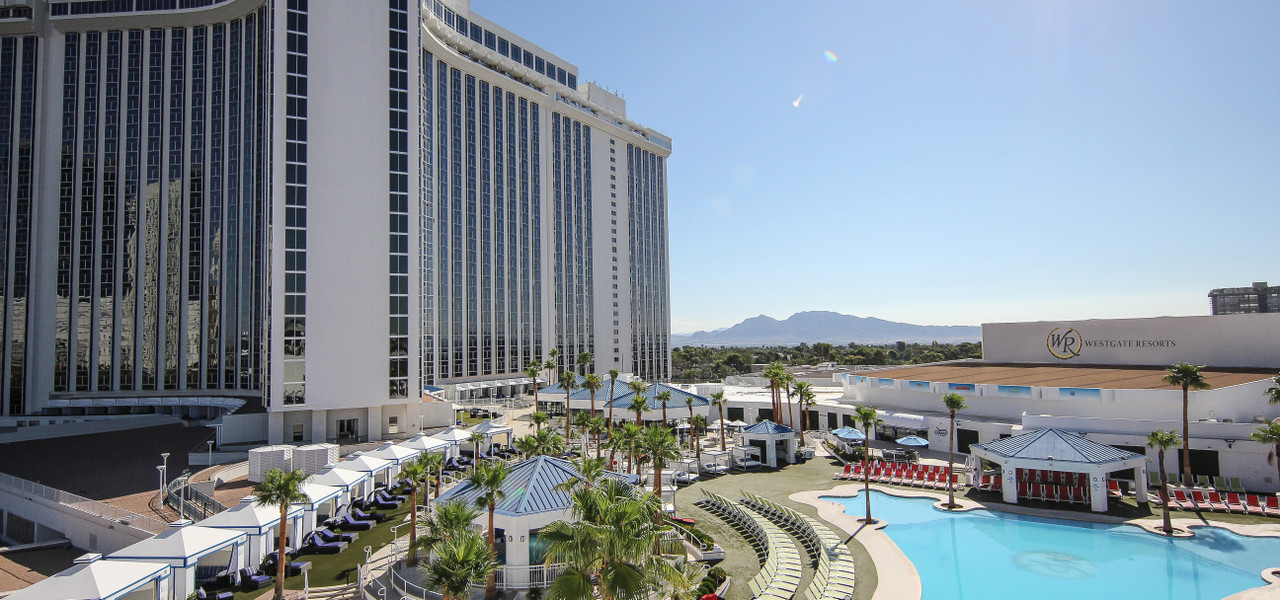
(898, 578)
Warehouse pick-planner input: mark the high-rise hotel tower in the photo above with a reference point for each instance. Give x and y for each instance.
(323, 206)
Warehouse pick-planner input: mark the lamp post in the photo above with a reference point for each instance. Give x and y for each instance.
(160, 468)
(210, 444)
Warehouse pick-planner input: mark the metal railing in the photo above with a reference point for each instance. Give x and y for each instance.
(32, 489)
(190, 502)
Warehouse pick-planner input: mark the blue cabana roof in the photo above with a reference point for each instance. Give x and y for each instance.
(1058, 445)
(768, 428)
(622, 401)
(530, 487)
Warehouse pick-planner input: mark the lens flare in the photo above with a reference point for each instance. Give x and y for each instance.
(831, 56)
(796, 102)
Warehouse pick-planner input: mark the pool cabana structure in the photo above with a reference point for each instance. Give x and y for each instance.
(398, 455)
(425, 443)
(195, 554)
(322, 504)
(490, 430)
(91, 577)
(455, 437)
(1059, 451)
(353, 484)
(379, 470)
(777, 443)
(261, 523)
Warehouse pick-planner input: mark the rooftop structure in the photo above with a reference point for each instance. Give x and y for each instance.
(1258, 298)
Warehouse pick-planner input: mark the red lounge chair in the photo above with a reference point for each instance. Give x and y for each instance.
(1204, 499)
(1216, 502)
(1113, 489)
(1273, 506)
(997, 483)
(848, 470)
(1254, 505)
(1184, 503)
(930, 479)
(1064, 494)
(1235, 503)
(1024, 490)
(897, 477)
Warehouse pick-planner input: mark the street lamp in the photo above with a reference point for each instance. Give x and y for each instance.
(161, 468)
(210, 444)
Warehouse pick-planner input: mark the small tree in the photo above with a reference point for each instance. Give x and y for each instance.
(1269, 434)
(1187, 377)
(568, 381)
(533, 371)
(867, 416)
(281, 489)
(660, 446)
(461, 561)
(434, 463)
(1163, 440)
(539, 419)
(717, 400)
(696, 424)
(804, 394)
(475, 439)
(953, 402)
(1273, 392)
(664, 397)
(414, 471)
(489, 480)
(613, 379)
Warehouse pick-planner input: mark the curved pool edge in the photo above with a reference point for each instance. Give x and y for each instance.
(897, 577)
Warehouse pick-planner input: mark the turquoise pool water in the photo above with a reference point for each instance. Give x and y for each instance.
(984, 555)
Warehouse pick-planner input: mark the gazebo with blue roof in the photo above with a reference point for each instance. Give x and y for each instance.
(1056, 451)
(533, 501)
(773, 440)
(622, 397)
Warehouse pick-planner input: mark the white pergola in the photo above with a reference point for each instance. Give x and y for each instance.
(1056, 450)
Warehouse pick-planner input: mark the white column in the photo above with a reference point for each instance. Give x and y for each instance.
(374, 424)
(1141, 484)
(1009, 483)
(1097, 490)
(275, 428)
(319, 426)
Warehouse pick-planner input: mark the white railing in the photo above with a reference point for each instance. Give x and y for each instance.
(23, 487)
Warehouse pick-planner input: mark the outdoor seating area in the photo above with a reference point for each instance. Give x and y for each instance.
(779, 577)
(1221, 485)
(1053, 486)
(834, 576)
(908, 474)
(1262, 505)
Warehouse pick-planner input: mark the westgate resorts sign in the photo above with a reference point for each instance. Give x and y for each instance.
(1066, 343)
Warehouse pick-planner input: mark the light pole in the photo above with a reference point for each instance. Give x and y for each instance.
(160, 468)
(210, 444)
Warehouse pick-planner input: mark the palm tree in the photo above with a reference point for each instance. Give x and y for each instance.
(553, 361)
(953, 402)
(788, 384)
(1187, 377)
(1273, 392)
(539, 419)
(664, 397)
(582, 421)
(717, 400)
(591, 471)
(638, 405)
(591, 383)
(682, 580)
(434, 464)
(1269, 434)
(626, 441)
(698, 422)
(867, 416)
(775, 372)
(688, 403)
(804, 393)
(596, 427)
(533, 371)
(475, 440)
(584, 359)
(489, 480)
(281, 489)
(1163, 440)
(550, 368)
(539, 443)
(661, 446)
(461, 562)
(568, 381)
(449, 519)
(613, 379)
(415, 471)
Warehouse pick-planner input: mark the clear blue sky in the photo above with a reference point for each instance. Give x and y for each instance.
(958, 162)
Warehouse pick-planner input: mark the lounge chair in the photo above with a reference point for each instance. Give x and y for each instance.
(1234, 484)
(1184, 503)
(251, 580)
(370, 516)
(1153, 479)
(1113, 489)
(1273, 506)
(330, 536)
(317, 545)
(1202, 481)
(1209, 499)
(1254, 505)
(848, 471)
(386, 496)
(1220, 484)
(203, 595)
(347, 522)
(1235, 503)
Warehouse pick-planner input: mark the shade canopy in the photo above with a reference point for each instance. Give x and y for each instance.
(250, 517)
(395, 453)
(318, 494)
(100, 579)
(182, 546)
(344, 479)
(425, 443)
(365, 464)
(913, 440)
(849, 434)
(489, 428)
(454, 435)
(768, 428)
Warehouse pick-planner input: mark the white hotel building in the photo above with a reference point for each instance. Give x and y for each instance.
(320, 206)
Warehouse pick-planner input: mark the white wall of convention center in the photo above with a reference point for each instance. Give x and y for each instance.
(1222, 341)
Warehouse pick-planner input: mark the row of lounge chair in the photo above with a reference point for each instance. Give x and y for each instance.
(926, 476)
(1074, 494)
(834, 576)
(990, 483)
(1052, 477)
(1253, 504)
(1204, 482)
(779, 577)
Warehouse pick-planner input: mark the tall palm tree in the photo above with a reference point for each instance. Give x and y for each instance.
(867, 416)
(591, 383)
(489, 480)
(697, 423)
(475, 439)
(539, 419)
(584, 359)
(804, 393)
(591, 471)
(788, 384)
(613, 379)
(1187, 377)
(568, 381)
(717, 400)
(953, 402)
(688, 403)
(434, 464)
(664, 397)
(639, 404)
(1269, 434)
(1273, 392)
(281, 489)
(775, 372)
(533, 371)
(581, 422)
(414, 471)
(627, 438)
(596, 428)
(461, 561)
(1163, 440)
(660, 445)
(554, 361)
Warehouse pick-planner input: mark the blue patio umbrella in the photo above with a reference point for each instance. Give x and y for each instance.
(850, 434)
(913, 440)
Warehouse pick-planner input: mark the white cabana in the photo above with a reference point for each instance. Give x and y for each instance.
(715, 462)
(490, 430)
(1047, 452)
(322, 503)
(194, 553)
(455, 437)
(377, 468)
(777, 442)
(425, 443)
(90, 577)
(397, 455)
(261, 524)
(354, 484)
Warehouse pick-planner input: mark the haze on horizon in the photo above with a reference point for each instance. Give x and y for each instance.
(943, 163)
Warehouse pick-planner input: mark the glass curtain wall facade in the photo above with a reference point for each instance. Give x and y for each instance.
(160, 240)
(650, 313)
(18, 64)
(571, 217)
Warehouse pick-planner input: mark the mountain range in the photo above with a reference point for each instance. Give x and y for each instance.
(825, 326)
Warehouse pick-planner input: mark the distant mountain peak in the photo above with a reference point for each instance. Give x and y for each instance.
(826, 326)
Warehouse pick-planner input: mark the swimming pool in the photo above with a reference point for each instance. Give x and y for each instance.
(983, 554)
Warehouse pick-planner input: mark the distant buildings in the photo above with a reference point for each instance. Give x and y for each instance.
(1260, 298)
